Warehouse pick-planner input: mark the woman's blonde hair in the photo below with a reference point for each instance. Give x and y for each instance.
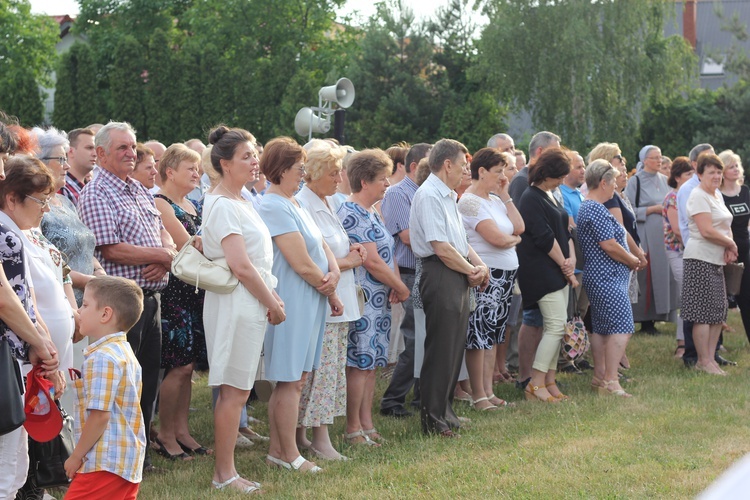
(604, 151)
(322, 157)
(173, 156)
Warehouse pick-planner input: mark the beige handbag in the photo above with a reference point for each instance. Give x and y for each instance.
(194, 268)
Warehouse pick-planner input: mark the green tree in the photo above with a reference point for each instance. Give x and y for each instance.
(694, 112)
(77, 98)
(164, 90)
(127, 82)
(27, 57)
(471, 114)
(400, 91)
(20, 96)
(727, 126)
(583, 69)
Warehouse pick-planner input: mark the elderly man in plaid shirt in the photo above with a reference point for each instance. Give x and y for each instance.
(131, 242)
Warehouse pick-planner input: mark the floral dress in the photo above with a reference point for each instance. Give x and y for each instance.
(16, 270)
(182, 337)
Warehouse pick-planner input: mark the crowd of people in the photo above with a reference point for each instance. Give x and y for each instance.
(474, 262)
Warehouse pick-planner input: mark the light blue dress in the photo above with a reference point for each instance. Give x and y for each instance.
(294, 345)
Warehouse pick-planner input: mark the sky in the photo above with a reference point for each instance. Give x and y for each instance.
(422, 8)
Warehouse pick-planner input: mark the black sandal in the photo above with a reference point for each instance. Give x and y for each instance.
(162, 450)
(201, 450)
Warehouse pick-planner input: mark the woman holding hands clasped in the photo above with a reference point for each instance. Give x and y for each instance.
(606, 275)
(369, 336)
(709, 247)
(493, 226)
(308, 275)
(324, 393)
(547, 265)
(235, 323)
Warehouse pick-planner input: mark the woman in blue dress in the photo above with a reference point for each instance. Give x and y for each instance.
(606, 274)
(369, 336)
(307, 276)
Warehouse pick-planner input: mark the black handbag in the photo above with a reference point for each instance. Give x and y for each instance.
(47, 460)
(12, 415)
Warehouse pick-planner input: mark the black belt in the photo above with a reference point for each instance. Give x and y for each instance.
(149, 293)
(405, 270)
(435, 258)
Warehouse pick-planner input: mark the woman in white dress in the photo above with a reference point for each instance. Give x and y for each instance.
(235, 323)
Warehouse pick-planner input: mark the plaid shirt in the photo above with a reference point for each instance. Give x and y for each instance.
(111, 381)
(120, 211)
(72, 188)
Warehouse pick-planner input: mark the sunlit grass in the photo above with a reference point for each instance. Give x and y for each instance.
(678, 433)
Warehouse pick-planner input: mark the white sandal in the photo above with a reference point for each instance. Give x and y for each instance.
(486, 408)
(369, 432)
(357, 434)
(294, 465)
(253, 488)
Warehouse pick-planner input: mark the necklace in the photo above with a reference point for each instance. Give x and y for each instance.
(232, 196)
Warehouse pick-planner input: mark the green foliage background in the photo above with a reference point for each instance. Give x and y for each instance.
(175, 68)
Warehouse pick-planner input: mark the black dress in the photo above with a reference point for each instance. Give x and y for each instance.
(739, 206)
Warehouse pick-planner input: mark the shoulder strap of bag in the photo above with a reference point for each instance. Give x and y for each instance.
(205, 221)
(637, 191)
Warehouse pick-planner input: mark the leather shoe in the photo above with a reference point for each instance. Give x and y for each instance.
(450, 434)
(721, 361)
(396, 411)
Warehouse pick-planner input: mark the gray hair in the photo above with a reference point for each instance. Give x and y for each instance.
(697, 150)
(444, 149)
(492, 142)
(48, 140)
(103, 138)
(541, 140)
(598, 171)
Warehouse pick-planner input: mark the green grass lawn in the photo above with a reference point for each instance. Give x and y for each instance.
(671, 440)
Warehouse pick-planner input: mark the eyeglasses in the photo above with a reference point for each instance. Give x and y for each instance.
(42, 203)
(60, 159)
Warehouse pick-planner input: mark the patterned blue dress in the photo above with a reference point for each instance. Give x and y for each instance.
(182, 336)
(370, 335)
(604, 279)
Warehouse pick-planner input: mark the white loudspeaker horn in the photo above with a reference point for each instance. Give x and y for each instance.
(341, 93)
(306, 123)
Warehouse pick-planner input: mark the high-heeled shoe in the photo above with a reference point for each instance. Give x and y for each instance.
(615, 392)
(561, 397)
(599, 386)
(531, 395)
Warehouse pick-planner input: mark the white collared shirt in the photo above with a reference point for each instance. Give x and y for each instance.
(434, 217)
